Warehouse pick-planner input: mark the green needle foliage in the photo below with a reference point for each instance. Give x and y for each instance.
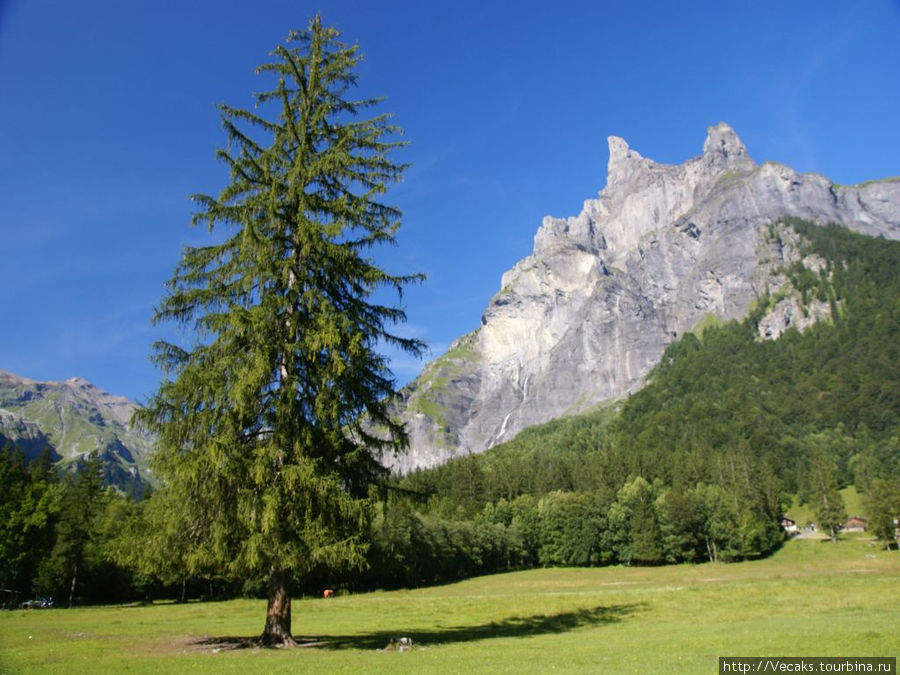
(272, 423)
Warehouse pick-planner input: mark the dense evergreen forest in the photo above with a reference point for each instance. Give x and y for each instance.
(699, 465)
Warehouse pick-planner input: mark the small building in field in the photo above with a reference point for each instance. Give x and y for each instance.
(790, 525)
(855, 524)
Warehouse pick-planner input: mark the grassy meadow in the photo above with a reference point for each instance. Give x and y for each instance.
(811, 598)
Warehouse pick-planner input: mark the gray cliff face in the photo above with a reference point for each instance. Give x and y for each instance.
(584, 318)
(75, 419)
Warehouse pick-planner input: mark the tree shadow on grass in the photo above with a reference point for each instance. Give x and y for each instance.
(512, 627)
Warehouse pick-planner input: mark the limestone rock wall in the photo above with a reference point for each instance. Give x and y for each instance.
(584, 318)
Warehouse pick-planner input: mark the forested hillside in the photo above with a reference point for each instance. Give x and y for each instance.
(703, 460)
(699, 465)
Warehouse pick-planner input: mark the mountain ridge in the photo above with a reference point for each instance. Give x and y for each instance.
(74, 419)
(583, 318)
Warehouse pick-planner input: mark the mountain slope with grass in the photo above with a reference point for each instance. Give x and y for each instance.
(73, 420)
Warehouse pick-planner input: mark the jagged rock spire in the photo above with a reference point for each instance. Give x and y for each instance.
(723, 148)
(623, 161)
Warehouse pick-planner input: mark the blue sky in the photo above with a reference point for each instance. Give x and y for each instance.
(107, 124)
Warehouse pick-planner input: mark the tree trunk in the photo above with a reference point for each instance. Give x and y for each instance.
(277, 632)
(72, 587)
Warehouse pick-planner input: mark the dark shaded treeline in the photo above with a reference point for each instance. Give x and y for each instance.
(55, 532)
(699, 465)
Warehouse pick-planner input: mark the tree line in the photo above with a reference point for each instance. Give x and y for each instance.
(699, 465)
(56, 532)
(642, 523)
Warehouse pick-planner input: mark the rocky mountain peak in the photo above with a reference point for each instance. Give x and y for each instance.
(723, 149)
(585, 317)
(623, 161)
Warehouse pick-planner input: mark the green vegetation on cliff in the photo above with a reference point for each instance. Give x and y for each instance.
(428, 395)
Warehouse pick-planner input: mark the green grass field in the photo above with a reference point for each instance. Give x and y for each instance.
(810, 599)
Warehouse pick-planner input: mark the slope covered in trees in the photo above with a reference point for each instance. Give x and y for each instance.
(698, 465)
(701, 462)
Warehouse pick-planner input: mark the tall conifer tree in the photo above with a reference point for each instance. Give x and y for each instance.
(271, 424)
